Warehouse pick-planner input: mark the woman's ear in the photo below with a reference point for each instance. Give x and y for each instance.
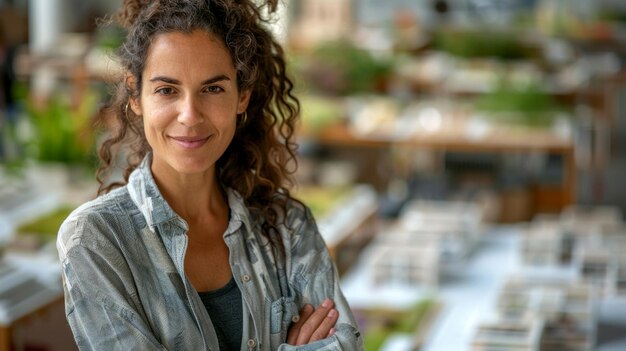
(244, 99)
(135, 106)
(133, 100)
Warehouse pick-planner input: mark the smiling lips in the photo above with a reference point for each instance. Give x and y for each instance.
(190, 142)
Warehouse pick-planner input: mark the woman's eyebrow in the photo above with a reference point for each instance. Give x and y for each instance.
(216, 79)
(169, 80)
(165, 79)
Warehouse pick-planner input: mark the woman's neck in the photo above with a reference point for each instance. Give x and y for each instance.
(195, 197)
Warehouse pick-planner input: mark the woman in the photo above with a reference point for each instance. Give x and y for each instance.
(201, 247)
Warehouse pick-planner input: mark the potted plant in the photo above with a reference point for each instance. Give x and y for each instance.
(63, 138)
(341, 68)
(528, 105)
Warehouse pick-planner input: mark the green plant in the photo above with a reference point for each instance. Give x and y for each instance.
(527, 105)
(374, 339)
(321, 200)
(471, 43)
(415, 316)
(12, 153)
(341, 68)
(319, 112)
(612, 16)
(110, 36)
(382, 323)
(46, 227)
(63, 133)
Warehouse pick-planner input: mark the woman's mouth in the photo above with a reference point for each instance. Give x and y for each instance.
(190, 142)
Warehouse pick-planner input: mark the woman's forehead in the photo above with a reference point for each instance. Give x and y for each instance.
(198, 51)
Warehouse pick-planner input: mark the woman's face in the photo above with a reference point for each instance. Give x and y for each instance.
(189, 101)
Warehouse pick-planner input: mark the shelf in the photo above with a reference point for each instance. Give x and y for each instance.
(500, 140)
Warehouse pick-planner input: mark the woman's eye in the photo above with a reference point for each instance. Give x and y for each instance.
(214, 89)
(165, 91)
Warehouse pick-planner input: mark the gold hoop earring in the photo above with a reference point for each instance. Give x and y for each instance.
(244, 118)
(126, 112)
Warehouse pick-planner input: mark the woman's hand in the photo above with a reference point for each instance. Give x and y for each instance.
(314, 324)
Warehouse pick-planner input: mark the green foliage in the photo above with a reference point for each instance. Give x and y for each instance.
(322, 200)
(382, 323)
(319, 112)
(414, 317)
(528, 105)
(340, 68)
(612, 16)
(46, 228)
(480, 43)
(375, 338)
(110, 37)
(64, 133)
(12, 160)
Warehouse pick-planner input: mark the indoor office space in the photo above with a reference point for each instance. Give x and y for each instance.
(464, 160)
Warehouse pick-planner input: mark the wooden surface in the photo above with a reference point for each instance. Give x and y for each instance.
(495, 141)
(5, 340)
(54, 337)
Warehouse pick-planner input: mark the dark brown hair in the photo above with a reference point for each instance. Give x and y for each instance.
(257, 162)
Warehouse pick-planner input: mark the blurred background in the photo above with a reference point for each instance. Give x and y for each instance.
(465, 161)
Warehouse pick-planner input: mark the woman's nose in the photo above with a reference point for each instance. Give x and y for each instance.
(189, 113)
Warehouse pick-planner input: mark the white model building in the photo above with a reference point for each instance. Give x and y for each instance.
(544, 246)
(514, 335)
(405, 264)
(561, 309)
(430, 239)
(456, 225)
(598, 268)
(591, 241)
(590, 220)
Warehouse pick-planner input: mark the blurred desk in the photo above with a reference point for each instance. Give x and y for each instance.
(8, 340)
(350, 226)
(32, 313)
(466, 298)
(496, 140)
(469, 296)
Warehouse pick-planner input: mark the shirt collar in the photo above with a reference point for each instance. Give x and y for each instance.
(239, 212)
(145, 194)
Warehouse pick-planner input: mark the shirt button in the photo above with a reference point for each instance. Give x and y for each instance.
(251, 343)
(245, 278)
(295, 318)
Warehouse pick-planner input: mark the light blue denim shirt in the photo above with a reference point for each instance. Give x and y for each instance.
(126, 289)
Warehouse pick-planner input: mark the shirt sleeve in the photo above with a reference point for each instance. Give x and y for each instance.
(314, 276)
(99, 305)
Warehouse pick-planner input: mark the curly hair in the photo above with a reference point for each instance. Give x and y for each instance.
(260, 161)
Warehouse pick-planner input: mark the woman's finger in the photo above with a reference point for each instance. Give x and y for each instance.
(294, 329)
(314, 321)
(325, 326)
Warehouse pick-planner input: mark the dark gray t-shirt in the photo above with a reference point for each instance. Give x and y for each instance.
(225, 310)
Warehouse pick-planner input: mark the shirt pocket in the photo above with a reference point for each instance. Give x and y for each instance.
(283, 312)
